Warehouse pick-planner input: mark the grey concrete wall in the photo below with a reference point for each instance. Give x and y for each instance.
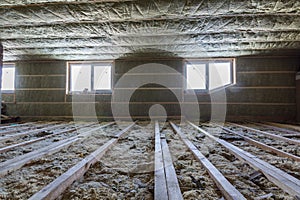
(265, 90)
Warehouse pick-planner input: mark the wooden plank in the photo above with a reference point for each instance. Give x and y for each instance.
(278, 137)
(4, 149)
(61, 183)
(16, 129)
(14, 125)
(16, 163)
(283, 180)
(160, 184)
(173, 188)
(227, 189)
(262, 145)
(294, 127)
(10, 137)
(278, 129)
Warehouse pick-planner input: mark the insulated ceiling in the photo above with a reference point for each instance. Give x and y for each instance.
(110, 29)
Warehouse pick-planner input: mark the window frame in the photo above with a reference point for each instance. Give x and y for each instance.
(8, 65)
(92, 66)
(207, 62)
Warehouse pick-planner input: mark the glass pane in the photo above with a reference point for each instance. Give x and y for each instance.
(102, 77)
(8, 78)
(196, 78)
(219, 74)
(80, 77)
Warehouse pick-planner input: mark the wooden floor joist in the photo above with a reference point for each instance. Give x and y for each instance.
(280, 178)
(48, 128)
(289, 126)
(278, 137)
(16, 163)
(12, 125)
(262, 145)
(7, 148)
(60, 184)
(171, 182)
(227, 189)
(160, 184)
(17, 129)
(287, 131)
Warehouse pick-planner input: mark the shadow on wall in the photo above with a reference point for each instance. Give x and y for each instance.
(150, 80)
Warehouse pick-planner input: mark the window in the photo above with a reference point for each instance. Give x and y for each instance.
(209, 74)
(89, 77)
(8, 78)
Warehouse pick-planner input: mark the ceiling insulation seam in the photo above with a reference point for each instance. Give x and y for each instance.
(127, 40)
(154, 27)
(174, 48)
(165, 43)
(219, 54)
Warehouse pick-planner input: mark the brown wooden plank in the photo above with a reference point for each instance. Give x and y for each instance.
(4, 149)
(173, 188)
(160, 184)
(262, 145)
(227, 189)
(16, 129)
(278, 129)
(61, 183)
(290, 126)
(280, 178)
(18, 162)
(10, 137)
(278, 137)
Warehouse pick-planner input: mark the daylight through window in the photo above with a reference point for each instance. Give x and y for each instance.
(209, 75)
(89, 77)
(8, 78)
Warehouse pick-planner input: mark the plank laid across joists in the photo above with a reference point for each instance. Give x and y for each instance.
(60, 184)
(10, 137)
(18, 162)
(170, 187)
(4, 149)
(291, 141)
(262, 145)
(283, 180)
(227, 189)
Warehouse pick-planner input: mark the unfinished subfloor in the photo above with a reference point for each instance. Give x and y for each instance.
(91, 160)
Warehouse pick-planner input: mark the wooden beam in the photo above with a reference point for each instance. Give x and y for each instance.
(160, 184)
(10, 137)
(7, 148)
(61, 183)
(277, 128)
(278, 137)
(16, 163)
(14, 125)
(290, 126)
(17, 128)
(280, 178)
(262, 145)
(226, 188)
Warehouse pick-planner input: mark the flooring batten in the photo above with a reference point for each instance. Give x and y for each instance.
(227, 189)
(283, 180)
(58, 186)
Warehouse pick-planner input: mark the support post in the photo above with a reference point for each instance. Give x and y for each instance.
(298, 95)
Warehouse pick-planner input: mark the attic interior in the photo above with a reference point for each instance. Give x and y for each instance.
(156, 99)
